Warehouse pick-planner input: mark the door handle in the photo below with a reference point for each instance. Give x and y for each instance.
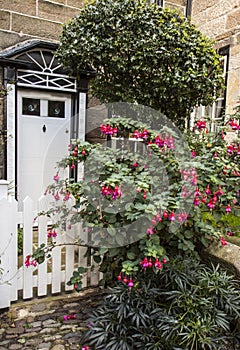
(44, 128)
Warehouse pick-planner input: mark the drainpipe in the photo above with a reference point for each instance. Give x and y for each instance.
(189, 8)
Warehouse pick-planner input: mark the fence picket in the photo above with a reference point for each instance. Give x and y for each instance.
(42, 238)
(5, 253)
(69, 257)
(27, 247)
(56, 266)
(14, 248)
(82, 261)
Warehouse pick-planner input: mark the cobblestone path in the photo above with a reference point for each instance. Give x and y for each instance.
(54, 323)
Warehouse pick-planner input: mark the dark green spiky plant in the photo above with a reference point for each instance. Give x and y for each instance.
(187, 306)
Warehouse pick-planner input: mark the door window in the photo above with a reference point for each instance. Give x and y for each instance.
(31, 106)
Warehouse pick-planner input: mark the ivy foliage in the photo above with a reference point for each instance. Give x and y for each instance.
(142, 53)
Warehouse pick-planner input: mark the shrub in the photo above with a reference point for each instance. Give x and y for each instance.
(142, 53)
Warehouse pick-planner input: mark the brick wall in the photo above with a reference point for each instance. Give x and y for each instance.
(220, 20)
(22, 20)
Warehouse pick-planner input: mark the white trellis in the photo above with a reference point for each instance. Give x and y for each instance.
(35, 281)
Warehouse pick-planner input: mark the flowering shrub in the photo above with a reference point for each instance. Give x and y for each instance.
(141, 209)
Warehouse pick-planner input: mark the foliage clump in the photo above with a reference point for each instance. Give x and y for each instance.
(140, 52)
(187, 306)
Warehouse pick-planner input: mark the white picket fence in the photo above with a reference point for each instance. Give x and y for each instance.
(50, 276)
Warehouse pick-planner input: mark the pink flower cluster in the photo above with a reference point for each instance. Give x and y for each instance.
(233, 149)
(129, 282)
(167, 142)
(148, 263)
(30, 262)
(52, 233)
(140, 134)
(181, 217)
(108, 130)
(110, 192)
(190, 176)
(200, 124)
(209, 198)
(234, 125)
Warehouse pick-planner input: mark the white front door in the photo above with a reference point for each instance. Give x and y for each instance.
(43, 136)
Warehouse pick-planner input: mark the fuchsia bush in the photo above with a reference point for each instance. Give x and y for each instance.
(196, 198)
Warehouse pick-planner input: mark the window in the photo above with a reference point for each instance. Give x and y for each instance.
(30, 106)
(216, 111)
(56, 109)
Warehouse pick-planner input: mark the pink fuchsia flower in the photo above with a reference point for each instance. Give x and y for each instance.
(158, 264)
(171, 216)
(150, 230)
(154, 222)
(196, 201)
(164, 261)
(211, 204)
(194, 154)
(125, 280)
(67, 196)
(69, 317)
(120, 277)
(135, 164)
(84, 152)
(182, 217)
(200, 124)
(165, 214)
(30, 262)
(230, 149)
(74, 154)
(229, 233)
(207, 190)
(86, 348)
(159, 141)
(228, 209)
(57, 197)
(223, 242)
(219, 192)
(144, 263)
(56, 177)
(197, 192)
(150, 264)
(130, 283)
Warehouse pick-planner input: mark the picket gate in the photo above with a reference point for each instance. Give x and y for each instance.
(19, 281)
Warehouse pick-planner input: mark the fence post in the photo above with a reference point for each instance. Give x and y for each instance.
(5, 238)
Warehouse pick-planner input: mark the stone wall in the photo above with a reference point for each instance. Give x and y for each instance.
(220, 20)
(24, 20)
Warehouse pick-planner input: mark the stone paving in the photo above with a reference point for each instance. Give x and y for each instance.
(54, 323)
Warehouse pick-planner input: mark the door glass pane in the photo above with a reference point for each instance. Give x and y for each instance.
(31, 106)
(56, 109)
